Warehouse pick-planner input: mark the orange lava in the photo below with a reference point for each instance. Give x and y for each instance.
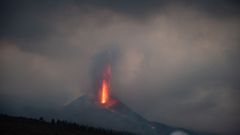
(104, 93)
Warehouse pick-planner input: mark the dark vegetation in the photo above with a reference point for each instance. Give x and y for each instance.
(11, 125)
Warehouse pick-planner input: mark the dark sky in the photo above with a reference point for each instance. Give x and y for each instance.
(177, 61)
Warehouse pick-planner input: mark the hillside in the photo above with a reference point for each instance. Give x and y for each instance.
(10, 125)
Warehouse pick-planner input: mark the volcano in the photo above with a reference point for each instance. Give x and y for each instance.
(102, 110)
(85, 110)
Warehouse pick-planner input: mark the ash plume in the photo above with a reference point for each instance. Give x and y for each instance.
(176, 62)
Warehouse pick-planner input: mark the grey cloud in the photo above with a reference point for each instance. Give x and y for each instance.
(25, 18)
(179, 64)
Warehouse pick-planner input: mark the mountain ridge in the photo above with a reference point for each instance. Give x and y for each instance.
(86, 110)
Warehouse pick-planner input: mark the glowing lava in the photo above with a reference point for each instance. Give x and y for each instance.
(104, 92)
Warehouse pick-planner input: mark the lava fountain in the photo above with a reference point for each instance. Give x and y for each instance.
(104, 90)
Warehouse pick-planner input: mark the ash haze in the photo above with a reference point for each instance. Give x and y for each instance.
(177, 61)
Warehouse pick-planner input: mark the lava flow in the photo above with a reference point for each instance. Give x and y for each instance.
(104, 92)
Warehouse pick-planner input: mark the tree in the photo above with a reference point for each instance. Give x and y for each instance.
(53, 121)
(41, 119)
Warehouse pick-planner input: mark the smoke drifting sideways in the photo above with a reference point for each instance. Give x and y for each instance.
(175, 62)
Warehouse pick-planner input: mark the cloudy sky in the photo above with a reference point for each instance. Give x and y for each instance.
(177, 62)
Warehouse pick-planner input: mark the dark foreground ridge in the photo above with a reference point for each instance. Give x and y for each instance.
(11, 125)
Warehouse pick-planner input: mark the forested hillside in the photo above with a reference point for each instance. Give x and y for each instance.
(10, 125)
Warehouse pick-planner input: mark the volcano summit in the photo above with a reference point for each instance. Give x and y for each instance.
(102, 110)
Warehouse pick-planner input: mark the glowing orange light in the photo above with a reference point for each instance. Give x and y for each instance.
(104, 97)
(104, 92)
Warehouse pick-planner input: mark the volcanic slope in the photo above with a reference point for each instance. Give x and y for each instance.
(86, 110)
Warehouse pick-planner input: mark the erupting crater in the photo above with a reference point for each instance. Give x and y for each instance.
(104, 96)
